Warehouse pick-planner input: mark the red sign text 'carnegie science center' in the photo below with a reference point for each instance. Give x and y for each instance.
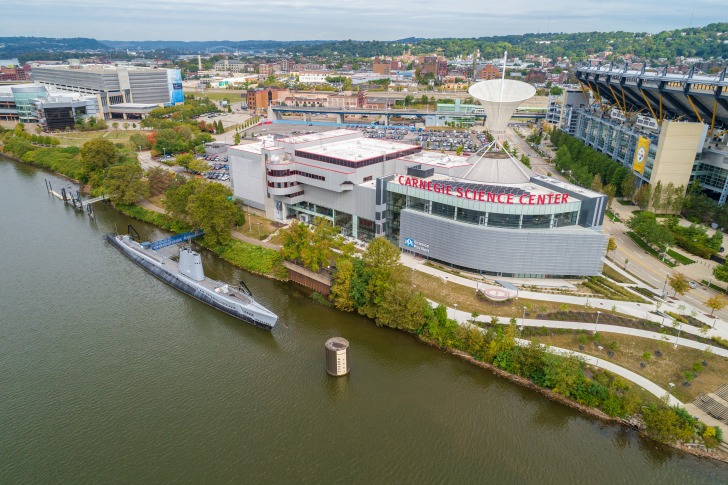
(481, 195)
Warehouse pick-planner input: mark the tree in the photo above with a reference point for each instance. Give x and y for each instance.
(115, 125)
(716, 302)
(210, 209)
(611, 245)
(98, 154)
(125, 125)
(610, 191)
(176, 198)
(381, 262)
(628, 186)
(160, 180)
(596, 184)
(642, 196)
(237, 138)
(657, 197)
(679, 283)
(721, 272)
(197, 165)
(402, 308)
(341, 289)
(184, 159)
(124, 184)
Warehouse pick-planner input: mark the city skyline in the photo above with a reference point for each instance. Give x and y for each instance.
(286, 20)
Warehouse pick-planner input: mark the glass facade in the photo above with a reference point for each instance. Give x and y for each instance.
(509, 216)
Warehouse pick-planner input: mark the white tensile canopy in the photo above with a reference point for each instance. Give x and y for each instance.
(500, 98)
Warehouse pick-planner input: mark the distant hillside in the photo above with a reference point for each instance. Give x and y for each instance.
(15, 46)
(191, 47)
(707, 42)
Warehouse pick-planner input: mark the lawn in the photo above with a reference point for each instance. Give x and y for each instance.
(647, 248)
(611, 273)
(660, 370)
(232, 96)
(78, 138)
(257, 227)
(451, 294)
(625, 202)
(679, 257)
(612, 217)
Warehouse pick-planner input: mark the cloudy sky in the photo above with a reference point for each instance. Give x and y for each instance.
(342, 19)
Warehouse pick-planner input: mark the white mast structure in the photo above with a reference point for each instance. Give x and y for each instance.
(499, 98)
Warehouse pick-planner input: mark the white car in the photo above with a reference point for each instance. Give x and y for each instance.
(693, 285)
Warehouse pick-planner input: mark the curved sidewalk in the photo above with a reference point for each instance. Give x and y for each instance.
(464, 317)
(644, 383)
(639, 310)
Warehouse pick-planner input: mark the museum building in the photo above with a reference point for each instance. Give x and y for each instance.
(485, 213)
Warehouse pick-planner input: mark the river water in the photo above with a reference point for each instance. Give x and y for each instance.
(107, 374)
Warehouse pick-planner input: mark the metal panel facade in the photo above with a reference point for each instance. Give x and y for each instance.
(572, 250)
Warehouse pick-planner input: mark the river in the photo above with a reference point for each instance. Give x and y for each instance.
(110, 375)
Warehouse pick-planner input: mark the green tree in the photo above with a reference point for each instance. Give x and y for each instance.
(657, 197)
(197, 165)
(721, 272)
(341, 289)
(237, 138)
(642, 196)
(402, 308)
(124, 184)
(210, 209)
(98, 154)
(381, 262)
(679, 283)
(176, 198)
(628, 186)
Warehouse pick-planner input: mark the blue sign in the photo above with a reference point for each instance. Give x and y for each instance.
(409, 242)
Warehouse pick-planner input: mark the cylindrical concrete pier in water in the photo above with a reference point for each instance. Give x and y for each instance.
(337, 362)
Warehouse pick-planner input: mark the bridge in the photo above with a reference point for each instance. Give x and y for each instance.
(662, 95)
(276, 112)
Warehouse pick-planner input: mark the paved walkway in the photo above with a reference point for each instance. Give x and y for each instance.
(464, 318)
(639, 310)
(645, 384)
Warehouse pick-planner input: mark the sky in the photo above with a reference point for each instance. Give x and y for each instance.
(342, 19)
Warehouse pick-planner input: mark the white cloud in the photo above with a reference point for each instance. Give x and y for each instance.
(306, 19)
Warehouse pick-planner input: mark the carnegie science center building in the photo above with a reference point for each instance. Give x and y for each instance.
(485, 213)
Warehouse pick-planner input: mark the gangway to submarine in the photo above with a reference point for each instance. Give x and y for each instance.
(172, 240)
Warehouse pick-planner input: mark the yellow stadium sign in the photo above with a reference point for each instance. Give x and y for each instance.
(640, 155)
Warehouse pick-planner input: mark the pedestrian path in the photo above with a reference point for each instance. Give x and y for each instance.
(637, 310)
(464, 318)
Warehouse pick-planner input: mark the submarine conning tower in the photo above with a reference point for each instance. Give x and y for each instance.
(190, 264)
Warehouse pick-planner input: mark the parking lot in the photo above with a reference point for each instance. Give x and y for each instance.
(219, 168)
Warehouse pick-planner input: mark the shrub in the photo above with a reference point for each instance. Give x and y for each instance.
(646, 356)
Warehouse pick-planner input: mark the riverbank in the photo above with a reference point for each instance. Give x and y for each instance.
(521, 381)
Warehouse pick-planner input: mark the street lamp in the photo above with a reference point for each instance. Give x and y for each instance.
(679, 328)
(715, 320)
(523, 320)
(597, 322)
(258, 230)
(664, 287)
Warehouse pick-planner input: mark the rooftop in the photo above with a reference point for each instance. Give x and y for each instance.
(359, 149)
(437, 159)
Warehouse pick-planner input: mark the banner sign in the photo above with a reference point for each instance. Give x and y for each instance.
(481, 195)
